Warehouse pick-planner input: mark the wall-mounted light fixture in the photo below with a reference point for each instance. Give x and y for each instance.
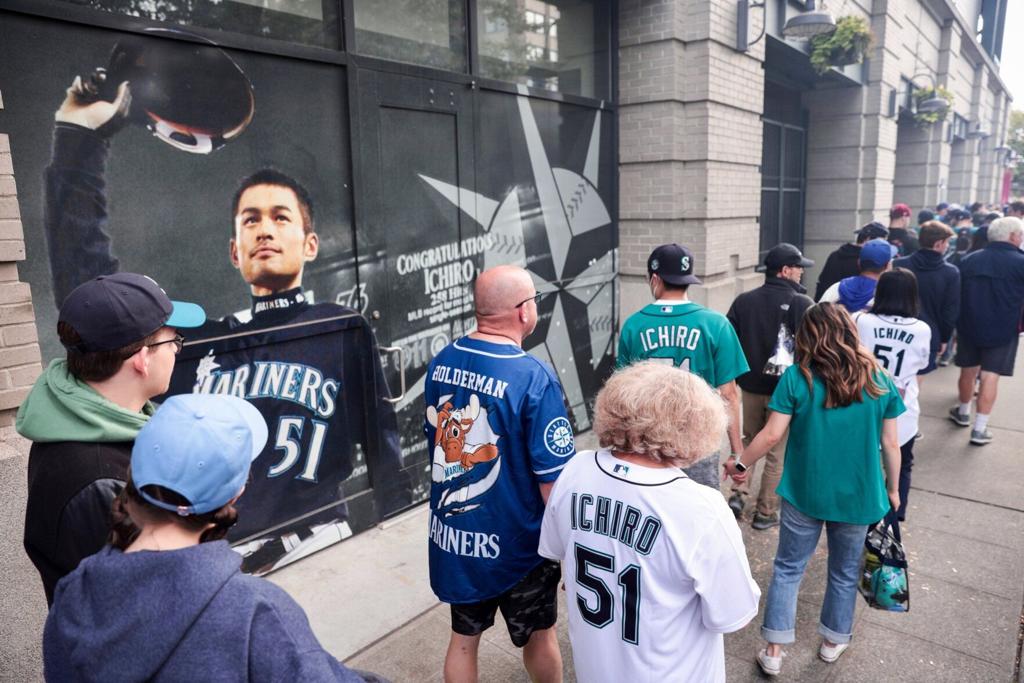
(977, 132)
(808, 24)
(743, 8)
(933, 104)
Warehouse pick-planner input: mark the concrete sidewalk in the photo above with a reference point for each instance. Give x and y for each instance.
(370, 602)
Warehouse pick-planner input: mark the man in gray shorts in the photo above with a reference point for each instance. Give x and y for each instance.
(992, 298)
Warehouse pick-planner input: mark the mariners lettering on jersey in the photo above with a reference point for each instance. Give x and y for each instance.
(465, 543)
(893, 333)
(465, 449)
(292, 382)
(677, 336)
(624, 523)
(470, 380)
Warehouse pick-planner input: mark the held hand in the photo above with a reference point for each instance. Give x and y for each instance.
(83, 107)
(730, 471)
(894, 500)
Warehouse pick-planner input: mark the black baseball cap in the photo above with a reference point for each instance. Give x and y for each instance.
(871, 231)
(784, 254)
(113, 311)
(673, 264)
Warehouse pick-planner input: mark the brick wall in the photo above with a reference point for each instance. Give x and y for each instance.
(19, 347)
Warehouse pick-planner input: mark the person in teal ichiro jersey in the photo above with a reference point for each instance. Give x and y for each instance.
(680, 332)
(841, 409)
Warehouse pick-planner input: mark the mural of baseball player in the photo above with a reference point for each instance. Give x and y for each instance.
(303, 364)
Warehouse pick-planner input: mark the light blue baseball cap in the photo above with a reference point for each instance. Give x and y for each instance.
(200, 446)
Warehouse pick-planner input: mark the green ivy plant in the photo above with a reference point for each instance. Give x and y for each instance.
(928, 118)
(846, 45)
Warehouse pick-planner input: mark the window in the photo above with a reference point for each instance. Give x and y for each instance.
(556, 45)
(309, 22)
(427, 32)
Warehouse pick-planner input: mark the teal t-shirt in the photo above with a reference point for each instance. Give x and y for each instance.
(833, 465)
(687, 335)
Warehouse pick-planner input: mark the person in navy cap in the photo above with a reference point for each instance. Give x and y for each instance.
(166, 600)
(121, 336)
(857, 293)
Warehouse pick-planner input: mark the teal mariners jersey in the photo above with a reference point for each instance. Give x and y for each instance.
(687, 335)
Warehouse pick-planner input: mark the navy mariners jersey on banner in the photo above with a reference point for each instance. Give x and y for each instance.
(497, 427)
(315, 385)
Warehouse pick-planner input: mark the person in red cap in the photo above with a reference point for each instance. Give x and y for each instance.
(900, 235)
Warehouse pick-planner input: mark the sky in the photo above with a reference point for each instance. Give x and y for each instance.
(1011, 67)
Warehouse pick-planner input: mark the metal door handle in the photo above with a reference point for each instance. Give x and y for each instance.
(401, 370)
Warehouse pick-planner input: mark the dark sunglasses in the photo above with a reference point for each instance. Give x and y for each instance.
(536, 297)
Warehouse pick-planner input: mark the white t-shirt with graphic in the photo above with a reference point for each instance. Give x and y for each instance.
(902, 346)
(655, 571)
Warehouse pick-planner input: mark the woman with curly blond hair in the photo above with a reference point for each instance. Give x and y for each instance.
(840, 409)
(654, 563)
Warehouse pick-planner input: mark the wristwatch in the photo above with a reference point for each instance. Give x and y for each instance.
(740, 467)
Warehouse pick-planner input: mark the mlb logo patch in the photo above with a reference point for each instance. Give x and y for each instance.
(621, 469)
(666, 309)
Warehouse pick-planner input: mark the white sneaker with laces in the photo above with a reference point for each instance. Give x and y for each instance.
(830, 653)
(771, 666)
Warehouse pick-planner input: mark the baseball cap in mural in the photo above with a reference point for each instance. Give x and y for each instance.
(199, 446)
(871, 231)
(876, 253)
(784, 254)
(113, 311)
(673, 264)
(899, 211)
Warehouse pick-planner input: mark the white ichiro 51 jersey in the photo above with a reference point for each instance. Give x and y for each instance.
(902, 346)
(655, 571)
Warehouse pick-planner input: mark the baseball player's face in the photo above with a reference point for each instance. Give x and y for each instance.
(271, 245)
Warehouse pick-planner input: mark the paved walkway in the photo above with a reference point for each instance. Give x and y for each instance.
(369, 600)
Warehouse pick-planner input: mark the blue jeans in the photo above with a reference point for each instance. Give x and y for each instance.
(798, 536)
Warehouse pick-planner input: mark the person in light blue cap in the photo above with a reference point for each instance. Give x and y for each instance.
(166, 601)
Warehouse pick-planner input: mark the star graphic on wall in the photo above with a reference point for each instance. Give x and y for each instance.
(571, 207)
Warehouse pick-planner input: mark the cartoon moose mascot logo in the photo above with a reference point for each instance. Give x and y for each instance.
(453, 426)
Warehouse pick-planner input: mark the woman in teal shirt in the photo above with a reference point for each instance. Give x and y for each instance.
(840, 408)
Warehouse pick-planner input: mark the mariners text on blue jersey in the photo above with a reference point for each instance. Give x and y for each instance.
(293, 382)
(473, 381)
(624, 523)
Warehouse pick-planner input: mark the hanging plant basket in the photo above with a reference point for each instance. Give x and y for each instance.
(923, 118)
(846, 45)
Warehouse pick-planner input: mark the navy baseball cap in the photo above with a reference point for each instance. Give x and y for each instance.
(113, 311)
(200, 446)
(872, 230)
(877, 253)
(784, 254)
(673, 264)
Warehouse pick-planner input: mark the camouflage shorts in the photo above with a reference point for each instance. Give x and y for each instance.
(705, 471)
(530, 605)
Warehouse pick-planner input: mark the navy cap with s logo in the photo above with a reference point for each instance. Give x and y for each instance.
(674, 264)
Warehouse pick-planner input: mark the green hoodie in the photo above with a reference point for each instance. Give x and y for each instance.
(61, 407)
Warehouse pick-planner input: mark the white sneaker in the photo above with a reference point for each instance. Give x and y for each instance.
(771, 666)
(830, 653)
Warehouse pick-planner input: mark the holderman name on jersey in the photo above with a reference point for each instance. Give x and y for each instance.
(464, 543)
(293, 382)
(473, 381)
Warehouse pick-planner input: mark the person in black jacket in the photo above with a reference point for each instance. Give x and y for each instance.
(843, 261)
(765, 319)
(83, 413)
(938, 286)
(992, 296)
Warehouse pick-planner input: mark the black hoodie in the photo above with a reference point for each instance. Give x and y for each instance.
(841, 263)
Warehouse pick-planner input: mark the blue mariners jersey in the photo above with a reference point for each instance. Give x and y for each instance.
(314, 374)
(497, 427)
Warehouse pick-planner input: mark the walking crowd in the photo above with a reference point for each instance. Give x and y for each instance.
(129, 503)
